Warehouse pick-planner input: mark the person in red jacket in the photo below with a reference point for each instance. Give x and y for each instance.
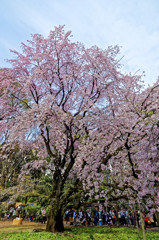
(147, 222)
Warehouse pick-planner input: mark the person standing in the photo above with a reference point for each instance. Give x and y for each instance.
(113, 217)
(80, 215)
(74, 217)
(14, 214)
(95, 216)
(67, 216)
(103, 217)
(43, 212)
(127, 217)
(71, 217)
(88, 217)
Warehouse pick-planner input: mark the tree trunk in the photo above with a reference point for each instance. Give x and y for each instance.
(157, 218)
(142, 223)
(137, 225)
(55, 220)
(143, 226)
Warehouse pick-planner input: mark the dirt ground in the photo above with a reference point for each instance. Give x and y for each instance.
(6, 226)
(24, 223)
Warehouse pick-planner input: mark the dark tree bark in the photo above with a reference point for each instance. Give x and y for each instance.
(55, 220)
(55, 216)
(61, 163)
(157, 217)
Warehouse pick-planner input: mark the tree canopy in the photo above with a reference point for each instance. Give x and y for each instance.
(87, 120)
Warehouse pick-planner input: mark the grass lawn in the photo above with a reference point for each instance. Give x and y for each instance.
(75, 233)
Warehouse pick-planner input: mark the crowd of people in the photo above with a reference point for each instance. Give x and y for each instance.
(103, 217)
(21, 212)
(90, 216)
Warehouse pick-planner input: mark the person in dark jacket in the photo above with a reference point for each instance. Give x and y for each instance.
(95, 216)
(88, 217)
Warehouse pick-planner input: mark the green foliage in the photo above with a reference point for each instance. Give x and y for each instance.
(36, 191)
(18, 199)
(48, 158)
(2, 210)
(90, 233)
(31, 199)
(32, 210)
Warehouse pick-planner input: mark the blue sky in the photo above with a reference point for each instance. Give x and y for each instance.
(132, 24)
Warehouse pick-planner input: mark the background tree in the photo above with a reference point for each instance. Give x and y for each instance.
(127, 149)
